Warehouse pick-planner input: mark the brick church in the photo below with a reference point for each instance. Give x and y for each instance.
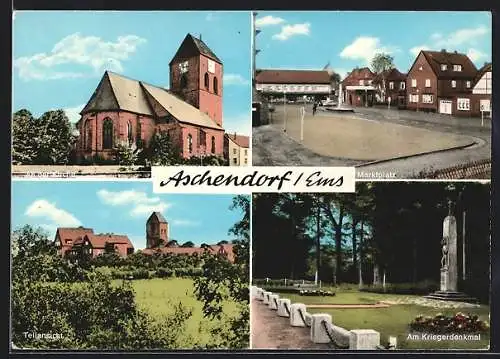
(124, 110)
(157, 241)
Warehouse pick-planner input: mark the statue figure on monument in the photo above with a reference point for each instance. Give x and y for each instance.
(444, 257)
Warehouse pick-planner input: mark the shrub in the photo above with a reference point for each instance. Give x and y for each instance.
(316, 293)
(441, 324)
(424, 287)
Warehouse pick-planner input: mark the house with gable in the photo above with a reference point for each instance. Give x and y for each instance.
(442, 82)
(358, 87)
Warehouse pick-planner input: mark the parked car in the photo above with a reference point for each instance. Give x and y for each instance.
(328, 102)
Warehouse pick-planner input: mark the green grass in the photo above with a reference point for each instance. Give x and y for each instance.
(158, 297)
(391, 321)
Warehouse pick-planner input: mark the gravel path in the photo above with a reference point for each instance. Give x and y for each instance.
(270, 331)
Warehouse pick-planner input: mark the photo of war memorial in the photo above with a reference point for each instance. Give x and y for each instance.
(396, 105)
(394, 266)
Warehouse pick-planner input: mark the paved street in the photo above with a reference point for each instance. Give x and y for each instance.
(272, 147)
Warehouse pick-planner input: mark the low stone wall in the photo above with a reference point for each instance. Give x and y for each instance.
(322, 330)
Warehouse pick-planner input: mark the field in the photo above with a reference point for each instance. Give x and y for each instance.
(158, 296)
(391, 321)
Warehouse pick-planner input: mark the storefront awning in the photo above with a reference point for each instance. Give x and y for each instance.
(361, 88)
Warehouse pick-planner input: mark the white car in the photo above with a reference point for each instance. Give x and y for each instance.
(328, 102)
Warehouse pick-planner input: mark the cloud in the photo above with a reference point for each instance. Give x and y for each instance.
(288, 31)
(475, 55)
(416, 50)
(138, 202)
(91, 54)
(73, 113)
(454, 40)
(268, 21)
(184, 223)
(42, 208)
(234, 79)
(365, 48)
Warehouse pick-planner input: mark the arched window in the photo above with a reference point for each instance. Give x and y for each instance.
(107, 134)
(190, 143)
(213, 144)
(87, 135)
(138, 140)
(184, 81)
(130, 136)
(207, 81)
(216, 85)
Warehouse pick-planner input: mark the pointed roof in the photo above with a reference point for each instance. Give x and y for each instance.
(100, 240)
(118, 92)
(158, 216)
(390, 75)
(240, 140)
(436, 58)
(487, 67)
(72, 234)
(192, 46)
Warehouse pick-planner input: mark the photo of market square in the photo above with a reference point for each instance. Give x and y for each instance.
(345, 89)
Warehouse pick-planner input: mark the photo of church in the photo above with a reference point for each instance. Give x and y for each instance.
(116, 93)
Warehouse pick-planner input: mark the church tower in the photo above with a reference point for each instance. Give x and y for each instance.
(156, 231)
(196, 76)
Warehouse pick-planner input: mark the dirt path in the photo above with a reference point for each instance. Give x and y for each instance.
(269, 331)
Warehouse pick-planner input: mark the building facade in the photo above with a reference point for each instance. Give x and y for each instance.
(237, 149)
(83, 241)
(482, 91)
(441, 81)
(127, 111)
(293, 84)
(358, 88)
(394, 93)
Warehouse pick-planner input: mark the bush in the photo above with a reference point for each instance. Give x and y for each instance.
(164, 273)
(441, 324)
(424, 287)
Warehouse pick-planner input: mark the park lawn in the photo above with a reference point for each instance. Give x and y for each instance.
(158, 296)
(343, 297)
(393, 321)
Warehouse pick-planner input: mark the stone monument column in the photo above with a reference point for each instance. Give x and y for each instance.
(449, 265)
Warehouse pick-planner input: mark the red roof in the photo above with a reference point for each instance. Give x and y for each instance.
(72, 234)
(242, 141)
(357, 74)
(292, 76)
(436, 58)
(390, 75)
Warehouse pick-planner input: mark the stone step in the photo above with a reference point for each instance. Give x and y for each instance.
(452, 296)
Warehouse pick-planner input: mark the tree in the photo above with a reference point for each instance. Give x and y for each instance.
(382, 62)
(125, 154)
(222, 280)
(162, 151)
(24, 148)
(188, 244)
(55, 138)
(172, 243)
(222, 242)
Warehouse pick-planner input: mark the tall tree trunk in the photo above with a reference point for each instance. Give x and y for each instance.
(354, 246)
(361, 257)
(415, 261)
(338, 243)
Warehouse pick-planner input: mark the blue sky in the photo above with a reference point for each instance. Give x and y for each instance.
(59, 57)
(310, 40)
(122, 208)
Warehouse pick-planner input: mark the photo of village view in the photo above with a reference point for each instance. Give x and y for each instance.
(137, 272)
(345, 89)
(394, 266)
(114, 93)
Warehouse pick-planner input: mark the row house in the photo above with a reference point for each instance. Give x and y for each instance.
(395, 87)
(358, 87)
(441, 81)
